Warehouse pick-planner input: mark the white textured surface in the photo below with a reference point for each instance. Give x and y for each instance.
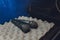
(9, 31)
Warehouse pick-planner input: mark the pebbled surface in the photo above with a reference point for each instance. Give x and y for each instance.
(9, 31)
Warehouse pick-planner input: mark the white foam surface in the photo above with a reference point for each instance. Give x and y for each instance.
(9, 31)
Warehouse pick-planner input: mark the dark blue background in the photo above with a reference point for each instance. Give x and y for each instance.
(10, 9)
